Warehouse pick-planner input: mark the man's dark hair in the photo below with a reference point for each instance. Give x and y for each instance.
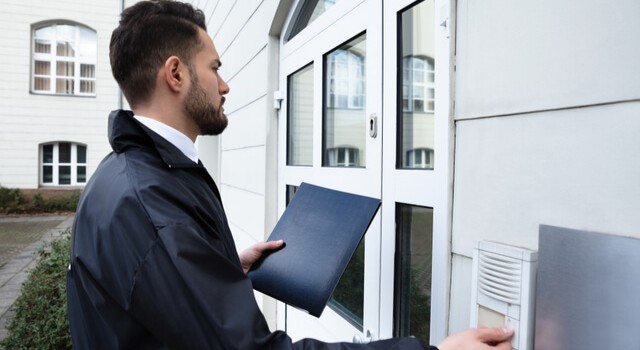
(148, 34)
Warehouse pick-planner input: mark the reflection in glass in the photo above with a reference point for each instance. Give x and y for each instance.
(64, 175)
(300, 117)
(416, 90)
(414, 235)
(64, 152)
(47, 154)
(344, 111)
(81, 174)
(81, 154)
(290, 192)
(309, 11)
(348, 297)
(47, 174)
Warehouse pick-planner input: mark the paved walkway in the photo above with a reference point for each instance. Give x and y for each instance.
(16, 270)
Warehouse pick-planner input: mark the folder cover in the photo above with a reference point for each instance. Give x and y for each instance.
(321, 229)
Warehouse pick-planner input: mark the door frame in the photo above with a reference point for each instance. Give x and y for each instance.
(434, 188)
(429, 188)
(341, 23)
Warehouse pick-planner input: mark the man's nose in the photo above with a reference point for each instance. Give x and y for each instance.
(223, 87)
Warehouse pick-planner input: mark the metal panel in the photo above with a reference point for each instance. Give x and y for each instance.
(587, 291)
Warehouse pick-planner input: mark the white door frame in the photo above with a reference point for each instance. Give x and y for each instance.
(430, 188)
(418, 187)
(345, 20)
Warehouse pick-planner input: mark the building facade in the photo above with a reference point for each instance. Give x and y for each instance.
(57, 91)
(470, 120)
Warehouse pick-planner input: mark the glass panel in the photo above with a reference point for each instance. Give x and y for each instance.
(44, 33)
(64, 86)
(64, 69)
(47, 174)
(66, 37)
(64, 152)
(65, 49)
(47, 154)
(87, 86)
(291, 191)
(42, 46)
(64, 175)
(310, 10)
(87, 71)
(416, 102)
(344, 114)
(81, 175)
(413, 270)
(42, 67)
(321, 7)
(81, 154)
(87, 45)
(300, 121)
(42, 84)
(348, 297)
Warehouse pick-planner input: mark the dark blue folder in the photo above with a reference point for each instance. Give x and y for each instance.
(321, 229)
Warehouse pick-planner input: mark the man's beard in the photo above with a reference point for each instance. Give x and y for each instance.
(209, 119)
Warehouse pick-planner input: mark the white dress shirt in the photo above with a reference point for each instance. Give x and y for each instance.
(175, 137)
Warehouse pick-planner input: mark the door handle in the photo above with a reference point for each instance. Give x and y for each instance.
(373, 125)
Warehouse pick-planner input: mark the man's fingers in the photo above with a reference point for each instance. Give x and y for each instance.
(494, 335)
(271, 245)
(506, 345)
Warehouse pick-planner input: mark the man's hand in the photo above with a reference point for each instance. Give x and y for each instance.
(479, 339)
(250, 255)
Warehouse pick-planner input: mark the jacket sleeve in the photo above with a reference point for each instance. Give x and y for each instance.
(190, 296)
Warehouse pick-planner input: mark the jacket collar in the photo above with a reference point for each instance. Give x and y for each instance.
(125, 131)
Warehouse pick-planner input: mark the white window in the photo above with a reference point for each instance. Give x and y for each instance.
(63, 164)
(64, 60)
(343, 156)
(346, 80)
(419, 158)
(417, 84)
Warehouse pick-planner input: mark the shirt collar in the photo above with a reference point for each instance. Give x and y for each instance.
(175, 137)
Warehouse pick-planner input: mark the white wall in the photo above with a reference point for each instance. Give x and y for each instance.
(240, 34)
(26, 119)
(238, 159)
(547, 106)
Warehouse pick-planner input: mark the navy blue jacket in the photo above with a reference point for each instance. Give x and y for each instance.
(153, 262)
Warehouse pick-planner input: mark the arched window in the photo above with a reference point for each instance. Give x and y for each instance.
(417, 84)
(63, 60)
(63, 164)
(346, 80)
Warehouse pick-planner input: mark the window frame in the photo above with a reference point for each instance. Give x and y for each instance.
(74, 164)
(78, 62)
(411, 86)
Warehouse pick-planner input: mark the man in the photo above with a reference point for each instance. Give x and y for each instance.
(153, 263)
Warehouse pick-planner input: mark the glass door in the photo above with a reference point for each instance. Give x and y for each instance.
(367, 106)
(331, 59)
(416, 161)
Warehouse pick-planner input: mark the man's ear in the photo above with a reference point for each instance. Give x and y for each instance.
(174, 74)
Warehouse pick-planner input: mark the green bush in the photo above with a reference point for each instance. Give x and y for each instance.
(40, 320)
(11, 202)
(10, 199)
